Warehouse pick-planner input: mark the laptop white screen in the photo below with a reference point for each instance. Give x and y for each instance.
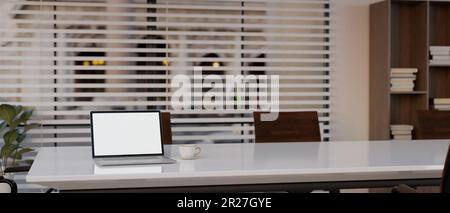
(126, 133)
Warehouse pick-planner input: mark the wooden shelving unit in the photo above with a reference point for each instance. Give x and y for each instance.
(401, 33)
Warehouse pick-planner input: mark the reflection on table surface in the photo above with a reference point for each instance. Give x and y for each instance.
(127, 169)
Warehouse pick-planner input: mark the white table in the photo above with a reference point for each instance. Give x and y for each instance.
(251, 167)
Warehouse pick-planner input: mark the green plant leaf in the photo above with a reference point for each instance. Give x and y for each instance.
(17, 156)
(3, 150)
(25, 150)
(23, 118)
(30, 127)
(19, 153)
(7, 113)
(2, 126)
(18, 109)
(15, 123)
(26, 115)
(10, 136)
(21, 137)
(7, 150)
(29, 162)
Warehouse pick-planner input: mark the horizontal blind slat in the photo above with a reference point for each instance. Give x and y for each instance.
(174, 6)
(167, 32)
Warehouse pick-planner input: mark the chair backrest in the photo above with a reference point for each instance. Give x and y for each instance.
(433, 124)
(166, 128)
(7, 186)
(289, 127)
(445, 181)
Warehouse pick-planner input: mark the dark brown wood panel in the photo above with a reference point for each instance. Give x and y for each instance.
(379, 70)
(440, 23)
(440, 82)
(421, 46)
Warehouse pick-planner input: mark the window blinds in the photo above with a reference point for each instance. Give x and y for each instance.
(68, 57)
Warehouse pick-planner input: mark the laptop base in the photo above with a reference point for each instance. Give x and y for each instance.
(133, 161)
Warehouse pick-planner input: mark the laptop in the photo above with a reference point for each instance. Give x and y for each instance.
(127, 138)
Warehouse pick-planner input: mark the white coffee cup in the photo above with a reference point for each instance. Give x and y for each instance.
(189, 152)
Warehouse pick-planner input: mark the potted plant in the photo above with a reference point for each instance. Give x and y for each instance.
(14, 127)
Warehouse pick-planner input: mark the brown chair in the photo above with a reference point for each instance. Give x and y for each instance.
(433, 124)
(445, 180)
(289, 127)
(9, 182)
(166, 128)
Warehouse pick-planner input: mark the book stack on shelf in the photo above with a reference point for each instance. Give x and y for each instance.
(402, 79)
(402, 132)
(440, 55)
(442, 104)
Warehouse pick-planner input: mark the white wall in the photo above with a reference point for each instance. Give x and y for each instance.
(350, 69)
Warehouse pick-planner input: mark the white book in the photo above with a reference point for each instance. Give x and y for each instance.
(443, 109)
(402, 137)
(438, 101)
(439, 62)
(395, 127)
(402, 90)
(402, 80)
(440, 48)
(442, 106)
(441, 57)
(404, 70)
(440, 53)
(402, 86)
(401, 132)
(404, 76)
